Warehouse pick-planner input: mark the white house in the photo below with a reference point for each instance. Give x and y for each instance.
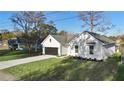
(92, 46)
(86, 45)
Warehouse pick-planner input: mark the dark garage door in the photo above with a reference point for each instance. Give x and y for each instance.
(51, 51)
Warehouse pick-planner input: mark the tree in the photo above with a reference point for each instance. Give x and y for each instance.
(33, 26)
(28, 23)
(0, 36)
(6, 34)
(66, 35)
(63, 33)
(41, 31)
(49, 29)
(94, 20)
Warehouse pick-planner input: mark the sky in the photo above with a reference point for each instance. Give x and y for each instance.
(74, 24)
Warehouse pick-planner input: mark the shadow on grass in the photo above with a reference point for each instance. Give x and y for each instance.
(5, 58)
(10, 52)
(120, 74)
(4, 52)
(10, 55)
(18, 52)
(76, 70)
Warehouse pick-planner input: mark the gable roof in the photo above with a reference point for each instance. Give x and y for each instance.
(59, 38)
(102, 38)
(65, 40)
(62, 39)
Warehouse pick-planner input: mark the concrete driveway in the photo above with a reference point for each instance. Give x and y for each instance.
(7, 64)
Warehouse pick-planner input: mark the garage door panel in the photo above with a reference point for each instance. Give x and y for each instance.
(51, 51)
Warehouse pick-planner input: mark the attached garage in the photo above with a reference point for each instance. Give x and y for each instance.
(54, 45)
(51, 51)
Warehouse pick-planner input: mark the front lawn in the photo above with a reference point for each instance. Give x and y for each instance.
(66, 69)
(120, 74)
(10, 55)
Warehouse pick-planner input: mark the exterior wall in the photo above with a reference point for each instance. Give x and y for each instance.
(53, 43)
(100, 51)
(64, 50)
(83, 47)
(108, 51)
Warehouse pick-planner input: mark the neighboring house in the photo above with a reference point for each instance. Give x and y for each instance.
(15, 43)
(86, 45)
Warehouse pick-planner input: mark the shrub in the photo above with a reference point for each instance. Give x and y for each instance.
(117, 56)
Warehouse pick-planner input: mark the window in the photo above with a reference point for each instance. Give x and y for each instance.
(76, 49)
(91, 49)
(50, 40)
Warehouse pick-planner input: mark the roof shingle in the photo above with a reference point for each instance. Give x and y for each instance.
(101, 38)
(63, 39)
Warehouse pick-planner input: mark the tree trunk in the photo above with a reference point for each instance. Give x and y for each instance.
(91, 26)
(29, 49)
(36, 47)
(91, 22)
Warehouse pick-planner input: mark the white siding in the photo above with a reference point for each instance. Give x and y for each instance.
(64, 50)
(108, 51)
(99, 50)
(54, 43)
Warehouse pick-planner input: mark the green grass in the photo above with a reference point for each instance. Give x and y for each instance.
(69, 69)
(21, 71)
(10, 55)
(9, 52)
(120, 73)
